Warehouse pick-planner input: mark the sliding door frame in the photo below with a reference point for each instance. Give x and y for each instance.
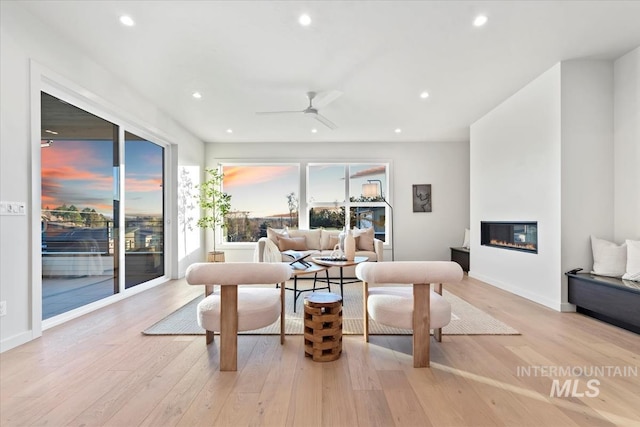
(45, 80)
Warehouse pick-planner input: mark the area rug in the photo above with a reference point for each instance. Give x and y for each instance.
(466, 319)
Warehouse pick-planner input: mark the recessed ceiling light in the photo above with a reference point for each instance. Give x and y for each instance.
(197, 95)
(480, 20)
(424, 95)
(398, 130)
(304, 20)
(127, 20)
(229, 130)
(314, 130)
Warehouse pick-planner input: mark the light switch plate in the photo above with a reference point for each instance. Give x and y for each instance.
(13, 208)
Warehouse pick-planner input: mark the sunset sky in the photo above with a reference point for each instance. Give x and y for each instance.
(262, 190)
(80, 173)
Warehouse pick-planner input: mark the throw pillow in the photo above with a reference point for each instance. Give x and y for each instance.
(328, 239)
(274, 233)
(365, 241)
(292, 243)
(312, 236)
(609, 259)
(633, 260)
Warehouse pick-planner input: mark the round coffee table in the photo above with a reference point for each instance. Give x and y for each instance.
(312, 269)
(327, 262)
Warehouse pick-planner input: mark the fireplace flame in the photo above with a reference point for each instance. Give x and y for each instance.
(519, 245)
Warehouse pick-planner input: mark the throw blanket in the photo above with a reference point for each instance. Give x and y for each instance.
(271, 252)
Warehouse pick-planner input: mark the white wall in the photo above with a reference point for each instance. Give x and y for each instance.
(418, 236)
(24, 39)
(515, 176)
(627, 146)
(587, 161)
(564, 119)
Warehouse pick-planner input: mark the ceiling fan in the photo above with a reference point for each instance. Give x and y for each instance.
(322, 99)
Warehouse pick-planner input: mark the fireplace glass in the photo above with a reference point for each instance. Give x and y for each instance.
(519, 236)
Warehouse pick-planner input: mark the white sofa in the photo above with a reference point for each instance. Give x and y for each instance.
(320, 242)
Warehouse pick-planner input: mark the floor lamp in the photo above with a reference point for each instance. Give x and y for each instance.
(373, 188)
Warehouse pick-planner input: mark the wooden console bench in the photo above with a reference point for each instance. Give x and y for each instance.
(611, 300)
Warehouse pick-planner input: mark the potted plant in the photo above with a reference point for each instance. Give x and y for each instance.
(215, 205)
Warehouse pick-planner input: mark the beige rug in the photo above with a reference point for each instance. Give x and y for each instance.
(465, 320)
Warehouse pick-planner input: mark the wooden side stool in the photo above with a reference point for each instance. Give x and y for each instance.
(323, 326)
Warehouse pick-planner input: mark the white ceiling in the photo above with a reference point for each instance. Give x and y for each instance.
(249, 56)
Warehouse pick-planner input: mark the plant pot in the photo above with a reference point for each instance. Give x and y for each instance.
(215, 256)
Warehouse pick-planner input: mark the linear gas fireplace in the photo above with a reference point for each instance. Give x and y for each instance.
(517, 236)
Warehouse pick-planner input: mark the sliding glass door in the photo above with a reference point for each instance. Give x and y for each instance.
(143, 210)
(88, 216)
(78, 159)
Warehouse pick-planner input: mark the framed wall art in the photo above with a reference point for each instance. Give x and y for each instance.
(421, 197)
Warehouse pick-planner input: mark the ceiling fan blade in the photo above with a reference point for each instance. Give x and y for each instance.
(278, 112)
(322, 99)
(322, 119)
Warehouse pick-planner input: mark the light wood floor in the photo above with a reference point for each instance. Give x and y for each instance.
(100, 370)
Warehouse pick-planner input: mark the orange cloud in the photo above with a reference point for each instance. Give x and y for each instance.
(377, 170)
(237, 176)
(143, 185)
(61, 163)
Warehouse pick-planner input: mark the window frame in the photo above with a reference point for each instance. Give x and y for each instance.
(46, 80)
(222, 236)
(347, 203)
(304, 205)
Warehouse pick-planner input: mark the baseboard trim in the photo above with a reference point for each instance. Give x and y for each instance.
(16, 340)
(519, 291)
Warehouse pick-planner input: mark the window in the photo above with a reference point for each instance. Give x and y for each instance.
(262, 195)
(337, 195)
(350, 195)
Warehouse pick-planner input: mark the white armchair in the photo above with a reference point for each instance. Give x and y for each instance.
(233, 309)
(416, 307)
